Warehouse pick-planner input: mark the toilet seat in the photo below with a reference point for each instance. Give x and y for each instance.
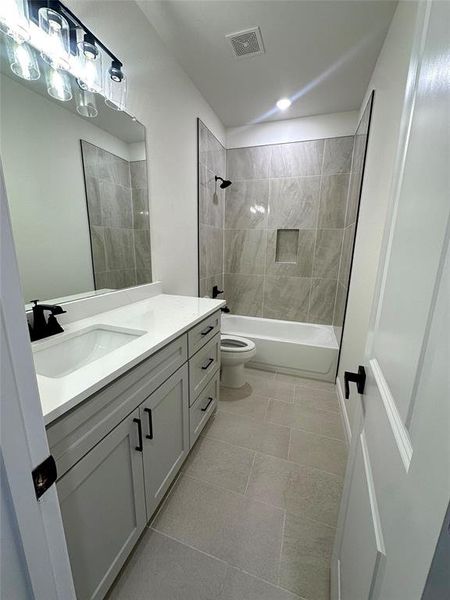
(234, 343)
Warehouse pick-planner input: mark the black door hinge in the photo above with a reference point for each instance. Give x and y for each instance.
(44, 476)
(359, 378)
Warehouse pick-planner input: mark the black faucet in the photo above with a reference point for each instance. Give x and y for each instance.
(44, 328)
(216, 292)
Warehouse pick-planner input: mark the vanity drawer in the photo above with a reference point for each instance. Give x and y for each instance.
(75, 433)
(202, 365)
(203, 407)
(203, 332)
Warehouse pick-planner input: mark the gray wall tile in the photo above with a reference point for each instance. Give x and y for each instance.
(286, 245)
(297, 159)
(341, 297)
(143, 276)
(138, 174)
(333, 201)
(116, 205)
(245, 251)
(244, 294)
(323, 295)
(304, 260)
(211, 199)
(142, 249)
(327, 253)
(346, 257)
(294, 202)
(119, 245)
(94, 205)
(286, 298)
(246, 204)
(249, 163)
(139, 200)
(98, 248)
(337, 155)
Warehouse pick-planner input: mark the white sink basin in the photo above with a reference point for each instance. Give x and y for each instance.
(59, 356)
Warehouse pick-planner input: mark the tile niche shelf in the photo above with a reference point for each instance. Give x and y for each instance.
(287, 245)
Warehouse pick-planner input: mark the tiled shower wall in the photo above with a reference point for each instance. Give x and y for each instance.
(211, 162)
(285, 222)
(117, 200)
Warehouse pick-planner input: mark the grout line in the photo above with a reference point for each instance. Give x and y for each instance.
(250, 473)
(283, 528)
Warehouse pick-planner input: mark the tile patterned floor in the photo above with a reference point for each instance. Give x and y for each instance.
(253, 514)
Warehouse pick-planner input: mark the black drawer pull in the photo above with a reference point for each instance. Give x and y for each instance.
(140, 447)
(207, 406)
(207, 330)
(150, 423)
(207, 364)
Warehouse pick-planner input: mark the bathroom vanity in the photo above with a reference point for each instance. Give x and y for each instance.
(120, 427)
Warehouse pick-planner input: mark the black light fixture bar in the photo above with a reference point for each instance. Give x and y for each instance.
(74, 24)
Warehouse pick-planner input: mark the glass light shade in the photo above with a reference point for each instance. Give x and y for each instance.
(90, 64)
(58, 85)
(22, 60)
(56, 52)
(14, 19)
(116, 93)
(86, 104)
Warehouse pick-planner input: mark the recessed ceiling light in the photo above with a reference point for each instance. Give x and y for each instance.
(283, 103)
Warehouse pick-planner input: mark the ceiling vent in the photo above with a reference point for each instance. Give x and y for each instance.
(246, 43)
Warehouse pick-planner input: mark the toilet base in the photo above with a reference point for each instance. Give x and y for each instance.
(233, 376)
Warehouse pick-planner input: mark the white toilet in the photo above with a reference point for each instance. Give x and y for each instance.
(235, 353)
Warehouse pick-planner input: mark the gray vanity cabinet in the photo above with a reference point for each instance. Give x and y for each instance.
(103, 509)
(165, 425)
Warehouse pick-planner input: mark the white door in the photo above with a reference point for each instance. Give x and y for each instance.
(34, 559)
(397, 483)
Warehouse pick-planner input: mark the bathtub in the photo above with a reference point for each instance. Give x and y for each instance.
(302, 349)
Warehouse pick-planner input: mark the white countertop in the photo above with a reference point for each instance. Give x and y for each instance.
(163, 318)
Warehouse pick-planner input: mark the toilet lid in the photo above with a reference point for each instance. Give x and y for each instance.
(233, 343)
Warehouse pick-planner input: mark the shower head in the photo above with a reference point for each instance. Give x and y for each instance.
(225, 182)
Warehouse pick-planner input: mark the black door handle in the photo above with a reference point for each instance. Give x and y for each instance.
(207, 406)
(208, 363)
(207, 330)
(359, 378)
(139, 447)
(150, 423)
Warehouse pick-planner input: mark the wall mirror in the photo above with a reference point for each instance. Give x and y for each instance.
(76, 185)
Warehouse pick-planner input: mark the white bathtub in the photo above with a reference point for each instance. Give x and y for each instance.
(302, 349)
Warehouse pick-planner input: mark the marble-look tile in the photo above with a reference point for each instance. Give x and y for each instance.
(116, 205)
(101, 280)
(117, 279)
(337, 155)
(286, 245)
(90, 159)
(302, 267)
(119, 245)
(220, 464)
(327, 253)
(207, 284)
(142, 249)
(346, 257)
(143, 276)
(294, 202)
(268, 438)
(316, 398)
(248, 163)
(141, 215)
(321, 452)
(246, 204)
(333, 201)
(339, 307)
(305, 557)
(211, 199)
(216, 156)
(138, 174)
(354, 193)
(297, 159)
(92, 186)
(321, 305)
(307, 418)
(164, 569)
(119, 170)
(245, 251)
(211, 251)
(202, 143)
(299, 489)
(241, 586)
(269, 387)
(313, 384)
(226, 525)
(98, 248)
(237, 402)
(244, 294)
(286, 298)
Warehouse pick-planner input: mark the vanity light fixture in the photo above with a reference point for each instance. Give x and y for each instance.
(56, 44)
(90, 63)
(283, 103)
(58, 84)
(22, 60)
(86, 103)
(116, 92)
(115, 71)
(14, 19)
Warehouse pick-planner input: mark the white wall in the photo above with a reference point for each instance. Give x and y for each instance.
(40, 150)
(389, 81)
(165, 100)
(293, 130)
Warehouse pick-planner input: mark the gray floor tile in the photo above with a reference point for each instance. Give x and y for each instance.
(305, 557)
(318, 451)
(236, 402)
(299, 489)
(164, 569)
(270, 387)
(267, 438)
(220, 464)
(311, 419)
(240, 586)
(229, 526)
(316, 398)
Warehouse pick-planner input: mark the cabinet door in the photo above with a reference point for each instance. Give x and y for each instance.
(103, 509)
(165, 422)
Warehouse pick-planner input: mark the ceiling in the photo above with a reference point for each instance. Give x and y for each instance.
(319, 53)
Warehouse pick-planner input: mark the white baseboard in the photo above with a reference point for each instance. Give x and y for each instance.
(344, 414)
